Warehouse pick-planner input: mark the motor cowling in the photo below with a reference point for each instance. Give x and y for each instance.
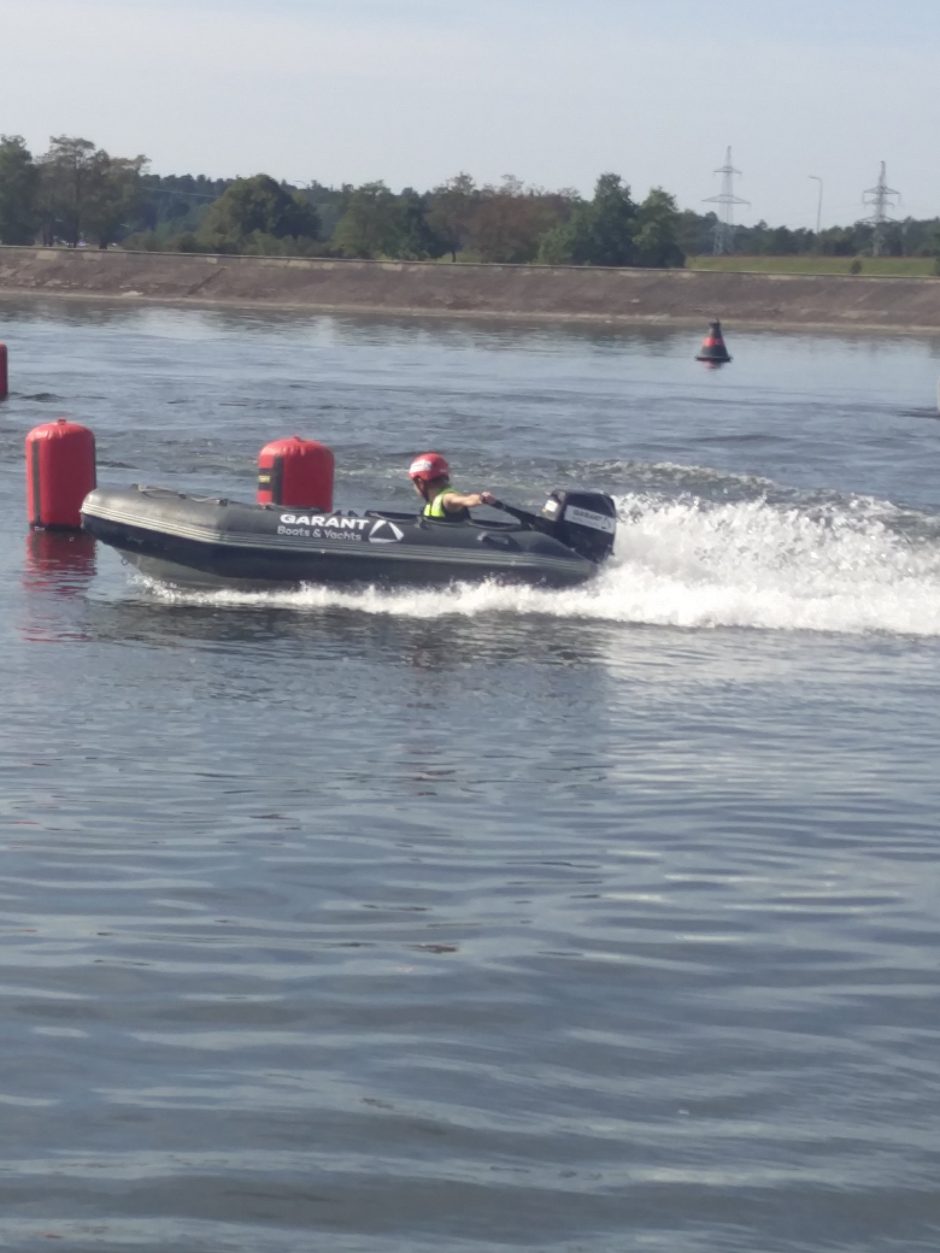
(583, 521)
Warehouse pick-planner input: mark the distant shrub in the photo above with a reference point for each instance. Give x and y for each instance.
(143, 241)
(856, 266)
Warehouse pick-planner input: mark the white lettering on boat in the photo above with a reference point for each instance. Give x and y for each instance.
(335, 527)
(587, 517)
(328, 522)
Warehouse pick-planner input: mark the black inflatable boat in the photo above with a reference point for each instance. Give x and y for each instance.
(208, 542)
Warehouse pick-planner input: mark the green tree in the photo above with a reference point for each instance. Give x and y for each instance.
(85, 195)
(65, 187)
(171, 203)
(416, 240)
(453, 206)
(556, 246)
(839, 241)
(612, 223)
(600, 232)
(754, 241)
(114, 198)
(919, 236)
(931, 244)
(252, 208)
(783, 242)
(657, 231)
(510, 220)
(19, 186)
(329, 203)
(894, 243)
(696, 232)
(370, 224)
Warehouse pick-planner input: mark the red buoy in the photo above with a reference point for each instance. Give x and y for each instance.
(296, 472)
(60, 472)
(713, 350)
(3, 372)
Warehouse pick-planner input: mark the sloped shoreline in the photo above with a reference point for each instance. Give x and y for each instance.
(556, 293)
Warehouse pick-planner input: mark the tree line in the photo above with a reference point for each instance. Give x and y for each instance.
(76, 194)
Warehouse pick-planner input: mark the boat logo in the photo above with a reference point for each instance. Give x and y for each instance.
(320, 526)
(385, 532)
(587, 517)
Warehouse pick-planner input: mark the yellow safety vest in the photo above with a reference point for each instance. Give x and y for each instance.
(435, 507)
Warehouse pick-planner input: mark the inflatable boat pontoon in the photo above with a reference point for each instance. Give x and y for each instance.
(209, 542)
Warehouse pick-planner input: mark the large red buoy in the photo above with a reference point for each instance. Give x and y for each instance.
(60, 472)
(3, 372)
(296, 472)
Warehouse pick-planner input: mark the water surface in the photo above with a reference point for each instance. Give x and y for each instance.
(480, 919)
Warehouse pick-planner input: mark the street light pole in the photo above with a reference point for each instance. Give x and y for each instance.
(817, 179)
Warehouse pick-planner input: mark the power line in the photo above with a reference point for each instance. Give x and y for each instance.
(880, 201)
(724, 227)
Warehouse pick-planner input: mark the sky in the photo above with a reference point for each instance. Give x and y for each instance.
(810, 95)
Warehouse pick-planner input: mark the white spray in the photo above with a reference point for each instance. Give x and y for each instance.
(693, 564)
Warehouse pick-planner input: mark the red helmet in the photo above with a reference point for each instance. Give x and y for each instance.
(428, 467)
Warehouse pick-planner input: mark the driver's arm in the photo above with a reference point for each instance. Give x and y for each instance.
(466, 500)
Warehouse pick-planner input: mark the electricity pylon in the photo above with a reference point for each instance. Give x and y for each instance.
(724, 227)
(880, 201)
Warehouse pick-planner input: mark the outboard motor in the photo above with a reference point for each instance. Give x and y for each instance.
(583, 521)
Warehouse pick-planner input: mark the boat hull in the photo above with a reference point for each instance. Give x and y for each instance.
(213, 543)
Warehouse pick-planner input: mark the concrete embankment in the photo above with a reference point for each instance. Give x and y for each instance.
(506, 291)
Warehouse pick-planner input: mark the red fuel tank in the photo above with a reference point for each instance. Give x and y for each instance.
(296, 472)
(60, 472)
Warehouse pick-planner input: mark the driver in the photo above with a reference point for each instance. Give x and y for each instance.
(430, 474)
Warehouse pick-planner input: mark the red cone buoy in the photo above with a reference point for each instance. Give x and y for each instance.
(3, 372)
(713, 350)
(60, 472)
(296, 472)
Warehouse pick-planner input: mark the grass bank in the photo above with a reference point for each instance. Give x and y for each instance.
(872, 267)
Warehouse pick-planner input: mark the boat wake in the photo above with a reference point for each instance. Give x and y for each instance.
(848, 565)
